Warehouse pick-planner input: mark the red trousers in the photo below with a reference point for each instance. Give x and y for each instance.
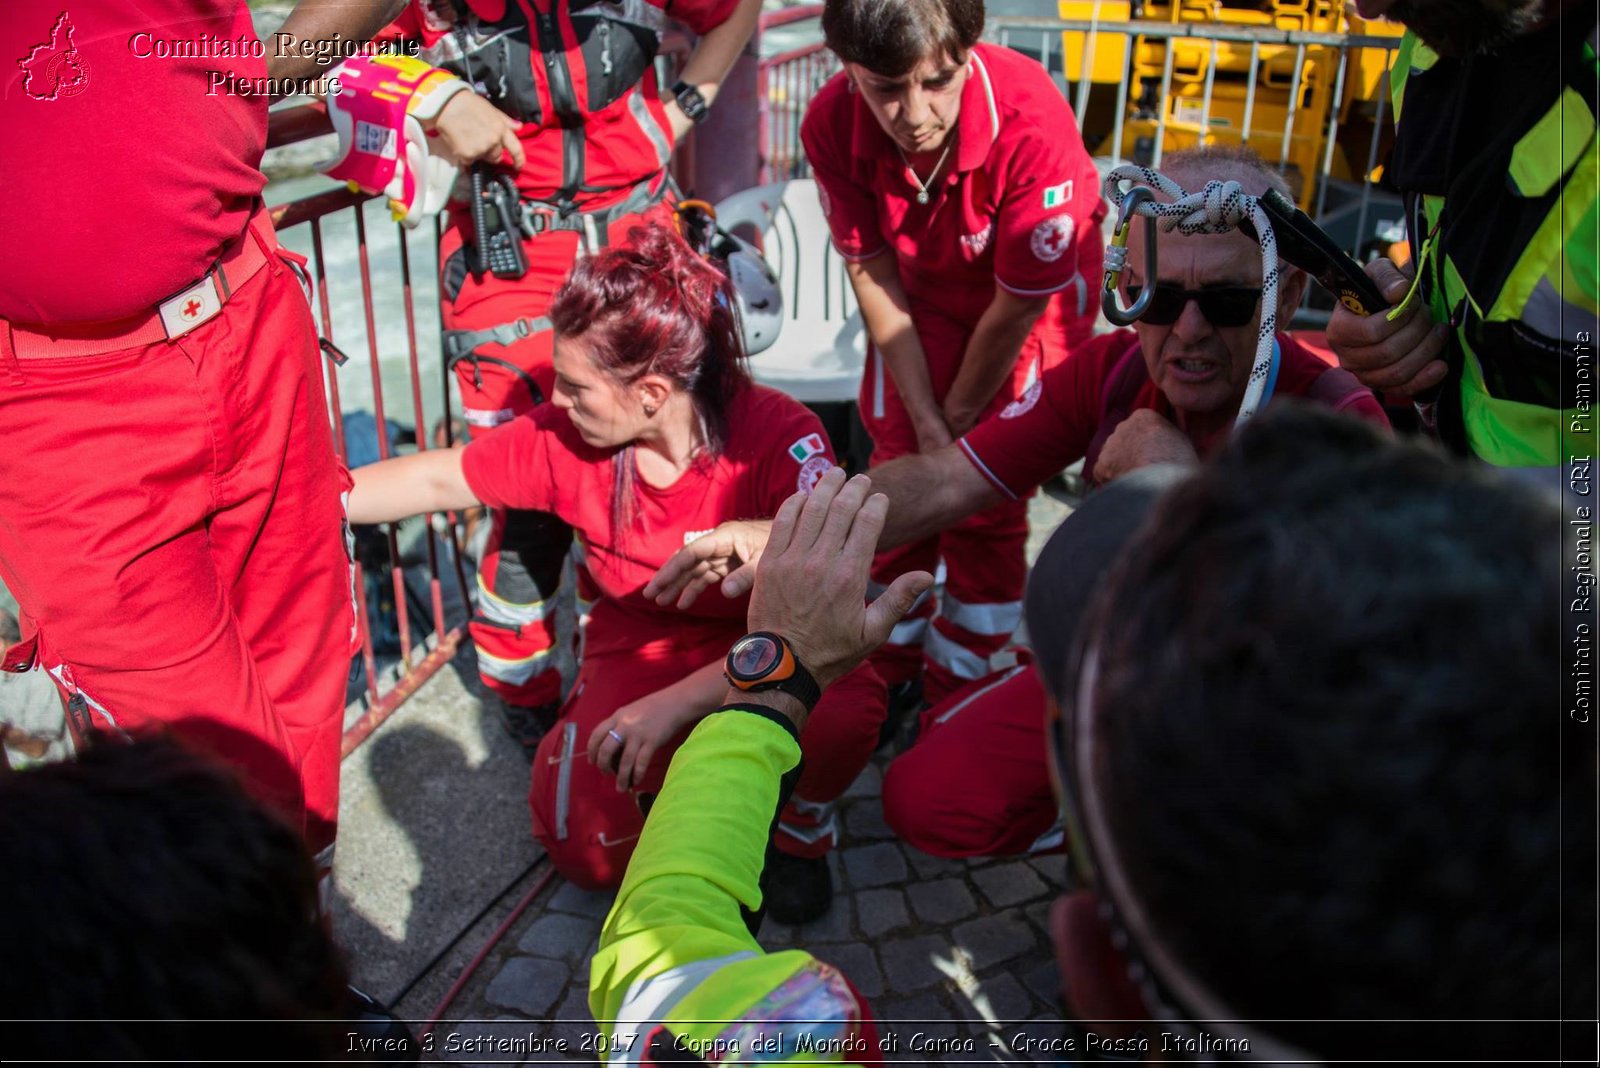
(589, 828)
(514, 623)
(977, 781)
(981, 603)
(171, 526)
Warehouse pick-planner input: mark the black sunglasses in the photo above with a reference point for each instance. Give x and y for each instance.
(1222, 305)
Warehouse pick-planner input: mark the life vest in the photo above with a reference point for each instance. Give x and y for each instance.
(555, 64)
(1129, 376)
(1497, 156)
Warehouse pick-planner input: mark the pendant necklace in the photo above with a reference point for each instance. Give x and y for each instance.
(922, 187)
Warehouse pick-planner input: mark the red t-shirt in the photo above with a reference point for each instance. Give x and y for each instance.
(125, 173)
(538, 461)
(1055, 423)
(1019, 206)
(609, 147)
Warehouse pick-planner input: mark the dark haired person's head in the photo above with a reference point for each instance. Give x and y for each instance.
(1310, 747)
(909, 61)
(143, 884)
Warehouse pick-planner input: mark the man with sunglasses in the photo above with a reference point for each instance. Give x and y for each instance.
(1166, 391)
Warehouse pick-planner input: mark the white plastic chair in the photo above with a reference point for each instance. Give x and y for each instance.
(820, 352)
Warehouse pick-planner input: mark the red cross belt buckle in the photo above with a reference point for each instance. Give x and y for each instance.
(198, 304)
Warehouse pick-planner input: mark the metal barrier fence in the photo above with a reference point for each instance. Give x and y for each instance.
(418, 660)
(1313, 101)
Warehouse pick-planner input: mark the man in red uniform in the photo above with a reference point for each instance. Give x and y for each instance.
(578, 91)
(958, 189)
(1165, 392)
(170, 518)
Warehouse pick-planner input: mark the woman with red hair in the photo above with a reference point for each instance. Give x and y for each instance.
(655, 435)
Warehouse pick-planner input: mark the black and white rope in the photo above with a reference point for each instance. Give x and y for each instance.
(1216, 209)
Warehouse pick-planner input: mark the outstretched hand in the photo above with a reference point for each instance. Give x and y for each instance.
(811, 586)
(728, 555)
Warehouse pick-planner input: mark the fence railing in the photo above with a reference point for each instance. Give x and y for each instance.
(1312, 100)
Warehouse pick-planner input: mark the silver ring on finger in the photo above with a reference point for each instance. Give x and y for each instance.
(614, 736)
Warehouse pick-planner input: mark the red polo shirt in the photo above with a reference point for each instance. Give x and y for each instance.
(1067, 413)
(1020, 206)
(126, 169)
(539, 462)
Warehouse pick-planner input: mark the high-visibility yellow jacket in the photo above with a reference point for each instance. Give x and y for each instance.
(1497, 154)
(677, 963)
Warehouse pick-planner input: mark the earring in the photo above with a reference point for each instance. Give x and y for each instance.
(649, 412)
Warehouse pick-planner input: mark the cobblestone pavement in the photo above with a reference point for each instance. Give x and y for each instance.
(953, 955)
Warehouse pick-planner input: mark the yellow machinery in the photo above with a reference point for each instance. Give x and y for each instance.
(1231, 75)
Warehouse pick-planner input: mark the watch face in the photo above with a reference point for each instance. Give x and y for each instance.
(754, 657)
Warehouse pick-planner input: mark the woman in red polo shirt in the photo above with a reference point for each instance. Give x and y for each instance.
(957, 187)
(654, 436)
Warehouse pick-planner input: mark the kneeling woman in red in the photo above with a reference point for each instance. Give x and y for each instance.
(655, 435)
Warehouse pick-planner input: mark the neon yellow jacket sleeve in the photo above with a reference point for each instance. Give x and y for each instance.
(675, 946)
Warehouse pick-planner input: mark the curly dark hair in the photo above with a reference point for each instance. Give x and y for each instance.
(1328, 703)
(143, 884)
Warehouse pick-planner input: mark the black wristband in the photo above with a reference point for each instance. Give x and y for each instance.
(690, 101)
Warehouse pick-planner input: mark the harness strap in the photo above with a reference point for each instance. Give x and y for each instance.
(540, 216)
(458, 344)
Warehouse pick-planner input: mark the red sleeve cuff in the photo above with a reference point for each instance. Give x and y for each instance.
(983, 469)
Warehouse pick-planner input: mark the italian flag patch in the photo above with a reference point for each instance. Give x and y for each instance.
(806, 448)
(1057, 195)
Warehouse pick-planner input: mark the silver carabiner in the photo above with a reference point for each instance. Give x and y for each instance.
(1117, 259)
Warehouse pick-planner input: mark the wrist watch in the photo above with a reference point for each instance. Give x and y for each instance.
(690, 100)
(765, 661)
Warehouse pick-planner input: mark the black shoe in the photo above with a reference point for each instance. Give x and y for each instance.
(900, 720)
(796, 890)
(528, 725)
(378, 1030)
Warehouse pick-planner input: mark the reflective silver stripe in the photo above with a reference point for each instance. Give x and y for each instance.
(909, 632)
(979, 692)
(59, 673)
(1547, 313)
(877, 383)
(991, 619)
(649, 1000)
(1083, 292)
(828, 829)
(1050, 839)
(957, 659)
(647, 123)
(500, 610)
(515, 672)
(487, 417)
(569, 741)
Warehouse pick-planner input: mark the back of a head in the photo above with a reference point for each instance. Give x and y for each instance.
(890, 37)
(143, 884)
(1326, 676)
